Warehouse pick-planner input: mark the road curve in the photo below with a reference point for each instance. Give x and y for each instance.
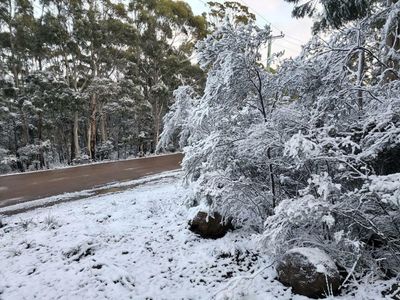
(15, 189)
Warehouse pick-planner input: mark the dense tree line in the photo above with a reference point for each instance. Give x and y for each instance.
(90, 80)
(307, 156)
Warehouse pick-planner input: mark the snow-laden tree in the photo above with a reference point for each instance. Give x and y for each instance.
(311, 150)
(344, 160)
(233, 111)
(177, 121)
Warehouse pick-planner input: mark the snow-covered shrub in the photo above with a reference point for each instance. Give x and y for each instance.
(222, 125)
(105, 149)
(5, 161)
(346, 155)
(231, 109)
(312, 151)
(33, 156)
(178, 120)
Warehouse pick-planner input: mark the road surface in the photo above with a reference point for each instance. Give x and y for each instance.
(15, 189)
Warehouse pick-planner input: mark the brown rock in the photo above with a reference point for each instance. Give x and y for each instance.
(209, 226)
(309, 272)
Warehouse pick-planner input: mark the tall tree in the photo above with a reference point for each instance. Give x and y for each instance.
(80, 47)
(167, 30)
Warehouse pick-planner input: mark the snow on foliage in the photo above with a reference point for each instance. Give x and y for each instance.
(308, 155)
(300, 148)
(177, 120)
(387, 188)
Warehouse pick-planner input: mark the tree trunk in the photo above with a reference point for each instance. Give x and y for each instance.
(12, 47)
(92, 128)
(360, 72)
(40, 138)
(77, 149)
(25, 127)
(157, 121)
(264, 114)
(392, 41)
(103, 130)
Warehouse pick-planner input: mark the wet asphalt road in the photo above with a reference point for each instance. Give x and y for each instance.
(15, 189)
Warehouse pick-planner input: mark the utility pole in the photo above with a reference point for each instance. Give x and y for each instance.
(281, 36)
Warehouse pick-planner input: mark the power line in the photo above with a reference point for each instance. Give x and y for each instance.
(293, 43)
(269, 23)
(296, 44)
(296, 39)
(286, 47)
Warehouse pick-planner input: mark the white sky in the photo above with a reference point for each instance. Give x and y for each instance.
(278, 13)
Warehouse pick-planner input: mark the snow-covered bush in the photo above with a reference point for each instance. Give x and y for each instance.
(33, 156)
(346, 154)
(312, 151)
(178, 120)
(5, 161)
(104, 150)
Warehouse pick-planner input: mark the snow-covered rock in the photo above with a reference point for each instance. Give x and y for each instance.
(209, 226)
(310, 272)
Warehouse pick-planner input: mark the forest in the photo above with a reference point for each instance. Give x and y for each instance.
(85, 81)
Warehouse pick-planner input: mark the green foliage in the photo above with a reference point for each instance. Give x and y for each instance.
(235, 13)
(100, 67)
(334, 13)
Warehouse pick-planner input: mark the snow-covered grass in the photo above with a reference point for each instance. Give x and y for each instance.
(129, 245)
(104, 189)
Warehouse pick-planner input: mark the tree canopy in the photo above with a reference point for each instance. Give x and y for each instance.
(72, 69)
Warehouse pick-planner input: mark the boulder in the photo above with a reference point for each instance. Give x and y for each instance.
(209, 226)
(309, 272)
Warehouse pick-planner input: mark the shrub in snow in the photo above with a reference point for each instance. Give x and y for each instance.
(353, 133)
(297, 221)
(309, 154)
(104, 150)
(217, 129)
(51, 222)
(309, 272)
(5, 162)
(178, 120)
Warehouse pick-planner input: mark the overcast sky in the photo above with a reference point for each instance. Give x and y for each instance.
(278, 13)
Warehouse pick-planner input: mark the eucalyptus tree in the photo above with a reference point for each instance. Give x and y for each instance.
(167, 32)
(233, 12)
(17, 38)
(76, 50)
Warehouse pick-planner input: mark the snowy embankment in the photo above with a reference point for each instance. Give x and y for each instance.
(133, 244)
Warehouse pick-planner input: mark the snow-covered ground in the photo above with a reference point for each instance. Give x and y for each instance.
(129, 245)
